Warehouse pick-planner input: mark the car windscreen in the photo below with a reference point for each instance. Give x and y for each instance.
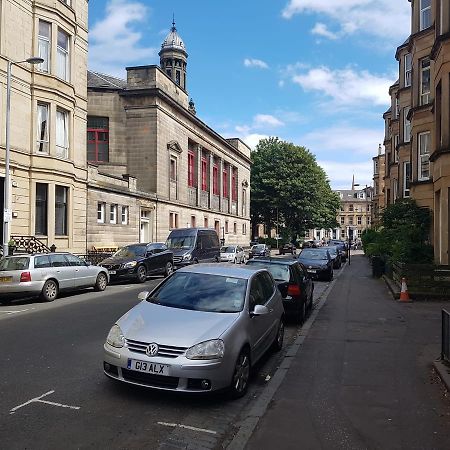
(131, 251)
(280, 272)
(313, 254)
(258, 247)
(175, 242)
(229, 249)
(201, 292)
(15, 263)
(333, 250)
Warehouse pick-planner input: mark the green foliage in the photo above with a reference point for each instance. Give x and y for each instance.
(403, 236)
(289, 185)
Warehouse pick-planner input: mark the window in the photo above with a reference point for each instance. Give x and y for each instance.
(62, 134)
(235, 228)
(375, 166)
(396, 108)
(61, 199)
(406, 126)
(40, 223)
(342, 220)
(42, 127)
(193, 222)
(425, 14)
(225, 182)
(113, 214)
(424, 81)
(396, 139)
(173, 169)
(226, 226)
(205, 222)
(204, 170)
(244, 202)
(216, 190)
(173, 220)
(101, 211)
(359, 220)
(125, 211)
(98, 139)
(350, 220)
(234, 186)
(62, 50)
(217, 226)
(350, 208)
(190, 169)
(44, 45)
(177, 77)
(42, 262)
(406, 178)
(408, 67)
(424, 156)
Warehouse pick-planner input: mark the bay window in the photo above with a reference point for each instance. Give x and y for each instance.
(408, 68)
(42, 127)
(62, 50)
(44, 45)
(425, 14)
(62, 133)
(424, 81)
(406, 126)
(424, 156)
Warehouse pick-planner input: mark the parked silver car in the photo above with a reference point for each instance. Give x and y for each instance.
(200, 330)
(46, 275)
(232, 253)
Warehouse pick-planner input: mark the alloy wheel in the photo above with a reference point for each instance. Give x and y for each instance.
(241, 374)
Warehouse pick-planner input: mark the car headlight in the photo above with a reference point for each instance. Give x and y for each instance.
(130, 265)
(187, 257)
(116, 337)
(213, 349)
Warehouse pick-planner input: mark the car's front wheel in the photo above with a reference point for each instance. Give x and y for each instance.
(49, 291)
(279, 338)
(101, 282)
(241, 375)
(141, 274)
(169, 269)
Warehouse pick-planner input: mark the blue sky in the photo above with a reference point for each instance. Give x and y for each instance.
(312, 72)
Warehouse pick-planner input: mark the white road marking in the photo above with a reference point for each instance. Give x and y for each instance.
(15, 312)
(38, 400)
(187, 427)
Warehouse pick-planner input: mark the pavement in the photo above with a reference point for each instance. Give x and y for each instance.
(362, 376)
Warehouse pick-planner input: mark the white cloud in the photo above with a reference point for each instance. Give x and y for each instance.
(249, 62)
(385, 19)
(320, 29)
(253, 139)
(263, 120)
(341, 173)
(114, 41)
(346, 86)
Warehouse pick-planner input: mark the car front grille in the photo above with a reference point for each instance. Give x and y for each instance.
(149, 379)
(111, 266)
(167, 351)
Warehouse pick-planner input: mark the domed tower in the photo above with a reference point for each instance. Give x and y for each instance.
(173, 57)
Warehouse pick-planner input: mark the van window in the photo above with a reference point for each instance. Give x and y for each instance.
(180, 241)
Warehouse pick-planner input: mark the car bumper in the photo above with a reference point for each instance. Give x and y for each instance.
(21, 289)
(122, 274)
(184, 375)
(318, 273)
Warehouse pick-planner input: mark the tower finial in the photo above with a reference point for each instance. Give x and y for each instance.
(173, 22)
(353, 182)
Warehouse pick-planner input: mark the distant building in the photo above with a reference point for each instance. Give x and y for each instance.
(186, 174)
(378, 198)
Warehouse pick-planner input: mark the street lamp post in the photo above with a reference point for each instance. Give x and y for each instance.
(7, 214)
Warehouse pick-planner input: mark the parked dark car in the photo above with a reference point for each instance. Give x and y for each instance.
(294, 283)
(335, 255)
(139, 260)
(318, 262)
(342, 245)
(288, 248)
(194, 245)
(259, 250)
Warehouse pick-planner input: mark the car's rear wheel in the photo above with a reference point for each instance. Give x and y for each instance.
(279, 338)
(141, 274)
(101, 282)
(169, 269)
(241, 375)
(50, 291)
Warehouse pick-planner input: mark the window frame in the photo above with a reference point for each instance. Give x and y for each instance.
(407, 61)
(62, 151)
(64, 230)
(423, 158)
(96, 141)
(45, 66)
(63, 72)
(101, 208)
(406, 125)
(113, 214)
(424, 96)
(124, 215)
(425, 13)
(216, 190)
(406, 179)
(225, 183)
(43, 143)
(44, 213)
(191, 169)
(204, 170)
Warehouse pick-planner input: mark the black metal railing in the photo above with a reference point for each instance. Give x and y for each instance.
(95, 257)
(29, 244)
(445, 349)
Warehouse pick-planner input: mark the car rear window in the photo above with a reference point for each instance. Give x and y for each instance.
(280, 272)
(15, 263)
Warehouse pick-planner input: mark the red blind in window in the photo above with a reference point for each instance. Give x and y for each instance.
(215, 180)
(225, 183)
(234, 185)
(204, 169)
(190, 169)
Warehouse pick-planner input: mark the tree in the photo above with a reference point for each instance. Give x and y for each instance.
(288, 184)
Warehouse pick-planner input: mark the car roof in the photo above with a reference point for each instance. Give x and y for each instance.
(221, 269)
(286, 262)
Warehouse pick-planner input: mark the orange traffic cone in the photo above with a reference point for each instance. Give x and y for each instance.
(404, 296)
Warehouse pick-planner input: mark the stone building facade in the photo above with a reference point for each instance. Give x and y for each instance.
(379, 173)
(48, 165)
(146, 127)
(417, 137)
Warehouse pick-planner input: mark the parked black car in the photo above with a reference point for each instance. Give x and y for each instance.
(335, 255)
(294, 283)
(259, 250)
(288, 248)
(139, 260)
(342, 245)
(318, 262)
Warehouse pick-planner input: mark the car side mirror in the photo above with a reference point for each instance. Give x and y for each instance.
(259, 310)
(143, 295)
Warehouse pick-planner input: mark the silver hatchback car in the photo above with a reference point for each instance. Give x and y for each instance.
(200, 330)
(47, 274)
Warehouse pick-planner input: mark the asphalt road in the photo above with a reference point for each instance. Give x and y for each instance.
(54, 394)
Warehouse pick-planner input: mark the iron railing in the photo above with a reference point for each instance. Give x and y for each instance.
(445, 349)
(95, 258)
(30, 244)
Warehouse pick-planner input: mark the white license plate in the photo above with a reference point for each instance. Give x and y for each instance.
(112, 272)
(312, 271)
(148, 367)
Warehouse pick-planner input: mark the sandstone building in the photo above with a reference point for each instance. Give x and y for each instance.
(145, 129)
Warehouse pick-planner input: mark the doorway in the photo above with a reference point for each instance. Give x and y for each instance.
(145, 235)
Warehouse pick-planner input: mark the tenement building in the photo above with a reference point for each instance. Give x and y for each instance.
(48, 167)
(183, 173)
(417, 137)
(379, 171)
